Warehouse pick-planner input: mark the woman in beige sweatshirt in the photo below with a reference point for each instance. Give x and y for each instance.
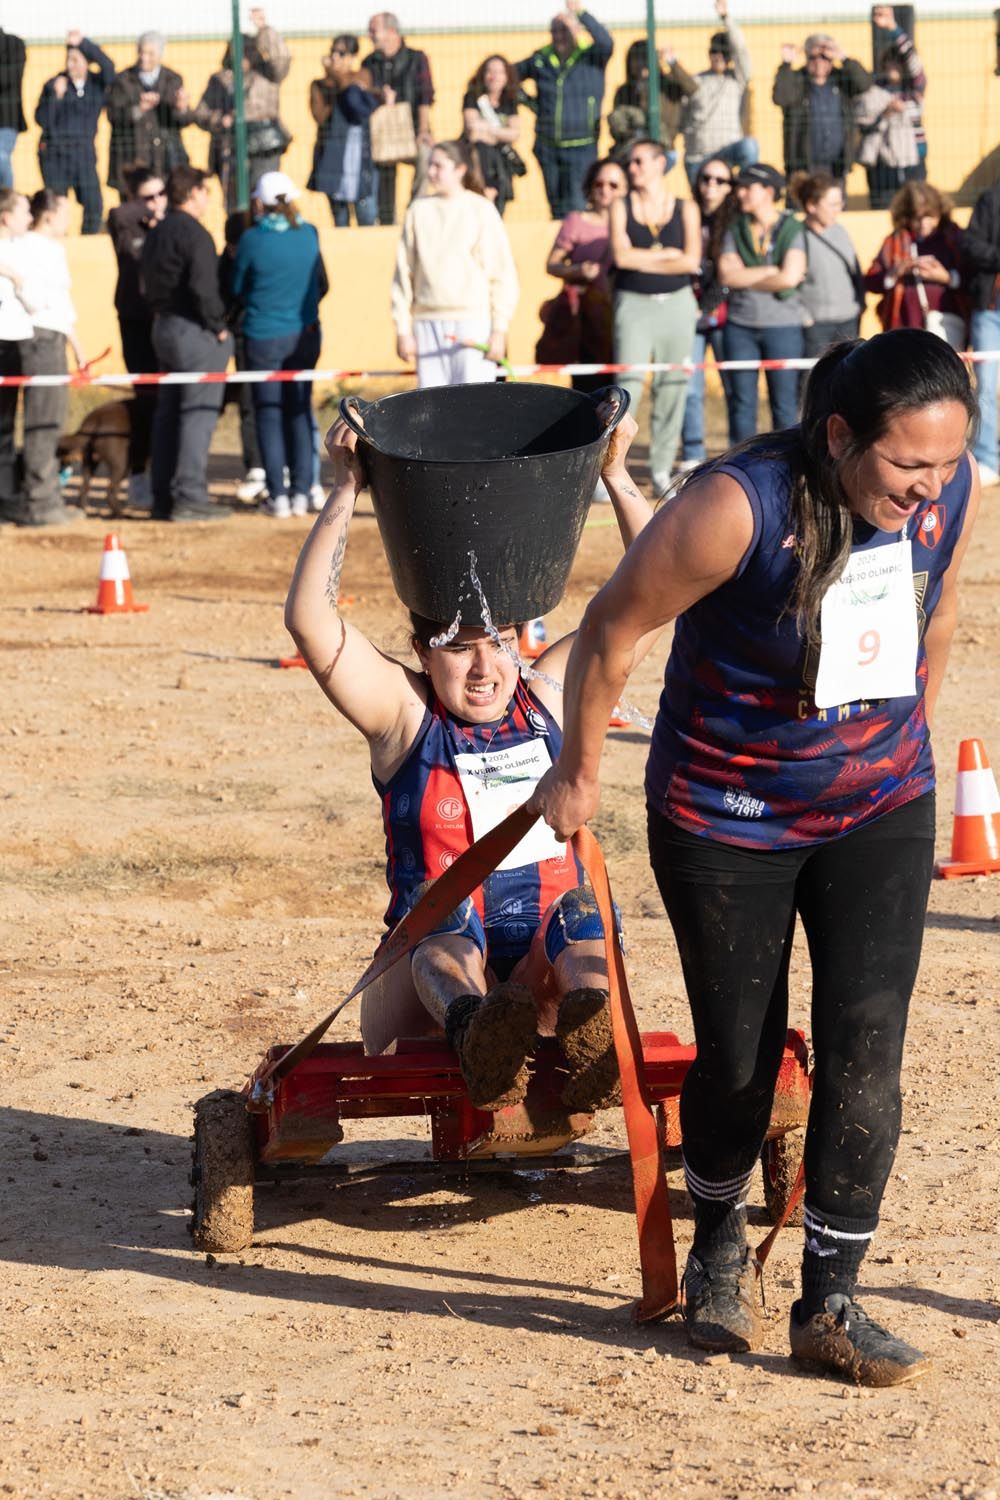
(455, 285)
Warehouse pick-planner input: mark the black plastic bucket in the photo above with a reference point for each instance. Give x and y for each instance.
(504, 471)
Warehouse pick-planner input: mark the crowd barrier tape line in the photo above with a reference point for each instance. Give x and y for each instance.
(256, 377)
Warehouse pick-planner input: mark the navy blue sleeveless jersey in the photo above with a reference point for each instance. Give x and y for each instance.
(740, 753)
(428, 824)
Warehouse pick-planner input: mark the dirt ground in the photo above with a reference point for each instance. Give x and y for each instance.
(191, 869)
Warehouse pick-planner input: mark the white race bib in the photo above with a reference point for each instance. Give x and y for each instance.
(494, 783)
(868, 624)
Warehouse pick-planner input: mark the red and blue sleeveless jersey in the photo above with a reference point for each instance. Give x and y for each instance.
(740, 752)
(428, 823)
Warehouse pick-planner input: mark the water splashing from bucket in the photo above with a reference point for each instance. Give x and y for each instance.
(623, 710)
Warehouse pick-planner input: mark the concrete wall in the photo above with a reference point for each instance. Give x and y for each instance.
(357, 332)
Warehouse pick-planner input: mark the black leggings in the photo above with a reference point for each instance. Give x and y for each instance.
(862, 899)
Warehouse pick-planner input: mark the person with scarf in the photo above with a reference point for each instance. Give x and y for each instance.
(279, 278)
(490, 124)
(763, 262)
(918, 269)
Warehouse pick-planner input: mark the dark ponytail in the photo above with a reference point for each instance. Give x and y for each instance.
(867, 384)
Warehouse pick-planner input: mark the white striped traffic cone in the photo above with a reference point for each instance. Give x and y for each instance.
(975, 840)
(114, 583)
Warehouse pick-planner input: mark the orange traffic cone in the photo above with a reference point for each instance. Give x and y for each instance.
(975, 839)
(532, 640)
(114, 585)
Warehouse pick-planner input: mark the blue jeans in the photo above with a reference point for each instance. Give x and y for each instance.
(986, 335)
(741, 342)
(563, 171)
(283, 410)
(8, 140)
(693, 430)
(741, 153)
(365, 211)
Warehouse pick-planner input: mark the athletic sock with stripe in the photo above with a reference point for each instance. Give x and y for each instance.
(720, 1211)
(832, 1256)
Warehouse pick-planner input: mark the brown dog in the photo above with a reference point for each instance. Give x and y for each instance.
(101, 441)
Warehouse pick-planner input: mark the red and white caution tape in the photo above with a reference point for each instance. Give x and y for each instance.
(257, 377)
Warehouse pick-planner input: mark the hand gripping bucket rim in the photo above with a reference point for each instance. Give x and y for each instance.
(503, 471)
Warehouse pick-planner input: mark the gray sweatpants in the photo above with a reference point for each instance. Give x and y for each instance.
(657, 330)
(185, 414)
(44, 418)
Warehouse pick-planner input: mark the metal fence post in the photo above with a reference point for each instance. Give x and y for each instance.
(239, 114)
(653, 64)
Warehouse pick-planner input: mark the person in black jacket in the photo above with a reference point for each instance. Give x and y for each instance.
(12, 121)
(568, 75)
(180, 274)
(342, 105)
(128, 225)
(68, 111)
(981, 252)
(147, 107)
(816, 103)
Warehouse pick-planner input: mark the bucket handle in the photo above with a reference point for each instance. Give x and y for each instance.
(352, 421)
(609, 392)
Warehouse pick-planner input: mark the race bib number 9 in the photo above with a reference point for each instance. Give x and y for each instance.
(868, 624)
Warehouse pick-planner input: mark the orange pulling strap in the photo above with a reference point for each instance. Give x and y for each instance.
(657, 1261)
(794, 1198)
(652, 1207)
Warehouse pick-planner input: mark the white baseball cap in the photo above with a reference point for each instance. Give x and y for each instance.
(272, 187)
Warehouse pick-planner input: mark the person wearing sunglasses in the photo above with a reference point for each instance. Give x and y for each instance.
(577, 323)
(713, 114)
(144, 204)
(342, 105)
(817, 104)
(713, 193)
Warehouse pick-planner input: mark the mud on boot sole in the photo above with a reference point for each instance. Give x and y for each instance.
(844, 1341)
(495, 1046)
(584, 1031)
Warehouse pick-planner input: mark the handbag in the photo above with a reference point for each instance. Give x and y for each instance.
(392, 134)
(267, 138)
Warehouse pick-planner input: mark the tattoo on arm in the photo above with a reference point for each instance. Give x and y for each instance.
(336, 566)
(334, 516)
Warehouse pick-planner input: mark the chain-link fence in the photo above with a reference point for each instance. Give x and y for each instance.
(956, 51)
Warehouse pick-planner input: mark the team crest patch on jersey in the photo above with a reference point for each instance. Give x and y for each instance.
(536, 722)
(451, 809)
(931, 527)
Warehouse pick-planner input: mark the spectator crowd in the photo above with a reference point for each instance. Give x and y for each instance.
(755, 265)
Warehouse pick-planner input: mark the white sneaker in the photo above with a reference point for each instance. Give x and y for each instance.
(988, 476)
(317, 497)
(279, 507)
(688, 465)
(253, 487)
(300, 505)
(140, 491)
(600, 495)
(661, 483)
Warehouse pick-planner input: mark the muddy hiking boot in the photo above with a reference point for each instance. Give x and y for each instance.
(493, 1037)
(845, 1339)
(720, 1300)
(583, 1028)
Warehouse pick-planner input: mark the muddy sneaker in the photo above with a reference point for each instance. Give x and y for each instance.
(583, 1027)
(493, 1037)
(720, 1301)
(844, 1338)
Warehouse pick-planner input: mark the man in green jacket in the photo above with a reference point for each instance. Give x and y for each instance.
(568, 75)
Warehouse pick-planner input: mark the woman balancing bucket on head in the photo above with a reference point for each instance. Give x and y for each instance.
(812, 575)
(448, 738)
